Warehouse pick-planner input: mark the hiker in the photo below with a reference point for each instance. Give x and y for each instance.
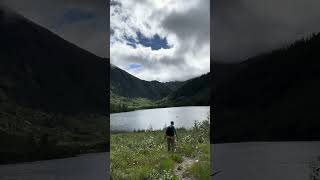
(169, 135)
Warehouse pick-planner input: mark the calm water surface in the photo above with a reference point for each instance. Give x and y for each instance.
(84, 167)
(264, 160)
(158, 118)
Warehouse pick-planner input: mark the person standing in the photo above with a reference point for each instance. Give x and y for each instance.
(170, 135)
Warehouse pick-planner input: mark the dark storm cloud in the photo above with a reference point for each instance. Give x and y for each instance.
(192, 24)
(82, 22)
(244, 28)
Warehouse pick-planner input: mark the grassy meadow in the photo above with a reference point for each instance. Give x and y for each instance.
(144, 155)
(123, 104)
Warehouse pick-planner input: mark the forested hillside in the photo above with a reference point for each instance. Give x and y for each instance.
(131, 93)
(272, 96)
(53, 94)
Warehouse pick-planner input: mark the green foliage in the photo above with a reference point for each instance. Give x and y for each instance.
(176, 158)
(194, 92)
(52, 94)
(144, 155)
(200, 170)
(123, 104)
(270, 97)
(166, 163)
(128, 93)
(27, 134)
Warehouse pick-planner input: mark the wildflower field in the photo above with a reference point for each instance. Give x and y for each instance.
(144, 155)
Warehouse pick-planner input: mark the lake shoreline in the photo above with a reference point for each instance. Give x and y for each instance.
(157, 107)
(36, 156)
(157, 119)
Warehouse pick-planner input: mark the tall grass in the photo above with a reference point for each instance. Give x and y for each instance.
(144, 155)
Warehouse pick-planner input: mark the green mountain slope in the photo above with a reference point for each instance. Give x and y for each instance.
(130, 93)
(174, 85)
(273, 96)
(53, 98)
(194, 92)
(126, 85)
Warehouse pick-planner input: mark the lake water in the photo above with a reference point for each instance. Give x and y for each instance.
(158, 118)
(264, 160)
(90, 166)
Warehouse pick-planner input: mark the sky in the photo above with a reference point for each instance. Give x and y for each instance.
(81, 22)
(169, 39)
(163, 40)
(244, 28)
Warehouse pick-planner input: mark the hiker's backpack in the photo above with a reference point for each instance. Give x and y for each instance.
(170, 131)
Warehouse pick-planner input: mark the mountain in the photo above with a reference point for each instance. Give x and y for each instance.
(126, 85)
(174, 85)
(130, 93)
(41, 70)
(195, 91)
(270, 97)
(53, 94)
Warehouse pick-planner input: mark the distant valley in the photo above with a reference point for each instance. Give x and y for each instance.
(129, 93)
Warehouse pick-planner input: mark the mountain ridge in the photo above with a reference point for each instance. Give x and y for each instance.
(18, 45)
(154, 94)
(121, 81)
(270, 97)
(53, 94)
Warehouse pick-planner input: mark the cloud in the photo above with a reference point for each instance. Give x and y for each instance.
(244, 28)
(183, 25)
(82, 22)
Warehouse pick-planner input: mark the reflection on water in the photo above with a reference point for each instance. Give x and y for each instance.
(158, 118)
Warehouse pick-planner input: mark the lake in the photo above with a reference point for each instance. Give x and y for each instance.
(84, 167)
(158, 118)
(264, 160)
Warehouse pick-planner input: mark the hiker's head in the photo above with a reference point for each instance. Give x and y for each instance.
(172, 123)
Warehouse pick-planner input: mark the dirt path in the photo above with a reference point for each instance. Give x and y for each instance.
(182, 167)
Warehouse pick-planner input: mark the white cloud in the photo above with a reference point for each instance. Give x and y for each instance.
(186, 26)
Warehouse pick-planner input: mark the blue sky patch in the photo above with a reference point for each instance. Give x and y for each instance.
(156, 42)
(131, 42)
(134, 66)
